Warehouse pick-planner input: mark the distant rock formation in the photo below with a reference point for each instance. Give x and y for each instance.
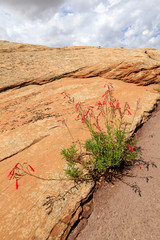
(32, 78)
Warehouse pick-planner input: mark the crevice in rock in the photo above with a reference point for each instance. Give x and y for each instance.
(34, 142)
(90, 73)
(82, 220)
(36, 82)
(87, 208)
(83, 213)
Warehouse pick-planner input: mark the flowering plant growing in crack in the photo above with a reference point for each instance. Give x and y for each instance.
(109, 144)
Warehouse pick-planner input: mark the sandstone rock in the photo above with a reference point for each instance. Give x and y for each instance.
(32, 79)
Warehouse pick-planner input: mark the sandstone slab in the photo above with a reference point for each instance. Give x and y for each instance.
(31, 103)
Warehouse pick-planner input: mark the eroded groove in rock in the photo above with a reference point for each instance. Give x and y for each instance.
(34, 142)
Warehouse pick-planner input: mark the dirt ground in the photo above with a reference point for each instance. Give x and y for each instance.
(128, 208)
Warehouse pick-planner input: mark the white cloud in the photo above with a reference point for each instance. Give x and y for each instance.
(127, 23)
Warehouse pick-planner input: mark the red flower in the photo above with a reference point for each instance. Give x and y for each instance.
(78, 116)
(17, 184)
(99, 114)
(31, 167)
(105, 85)
(91, 106)
(128, 106)
(62, 92)
(16, 165)
(112, 103)
(105, 93)
(104, 102)
(98, 126)
(58, 120)
(82, 120)
(140, 167)
(129, 113)
(11, 173)
(111, 84)
(117, 106)
(77, 106)
(12, 176)
(86, 113)
(130, 148)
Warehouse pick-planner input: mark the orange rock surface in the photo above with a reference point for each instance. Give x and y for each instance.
(31, 103)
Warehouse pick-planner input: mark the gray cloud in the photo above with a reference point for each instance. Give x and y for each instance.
(32, 8)
(107, 23)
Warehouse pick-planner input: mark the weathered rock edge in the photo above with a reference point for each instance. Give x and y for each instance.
(88, 201)
(82, 210)
(22, 64)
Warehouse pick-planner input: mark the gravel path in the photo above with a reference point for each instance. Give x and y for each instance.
(129, 209)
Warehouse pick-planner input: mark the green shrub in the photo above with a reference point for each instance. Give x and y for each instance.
(106, 149)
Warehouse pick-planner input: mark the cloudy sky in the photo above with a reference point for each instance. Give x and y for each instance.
(57, 23)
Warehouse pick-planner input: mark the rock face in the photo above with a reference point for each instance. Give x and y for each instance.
(32, 80)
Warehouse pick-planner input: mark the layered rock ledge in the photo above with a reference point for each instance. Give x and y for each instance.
(32, 79)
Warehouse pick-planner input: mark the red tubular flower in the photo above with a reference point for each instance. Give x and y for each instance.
(16, 165)
(11, 174)
(99, 114)
(105, 93)
(111, 85)
(91, 106)
(130, 148)
(104, 102)
(117, 106)
(129, 113)
(86, 113)
(78, 116)
(105, 85)
(17, 184)
(62, 92)
(128, 106)
(77, 106)
(31, 167)
(82, 120)
(98, 126)
(58, 120)
(140, 167)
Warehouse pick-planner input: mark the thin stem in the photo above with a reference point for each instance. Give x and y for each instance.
(46, 179)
